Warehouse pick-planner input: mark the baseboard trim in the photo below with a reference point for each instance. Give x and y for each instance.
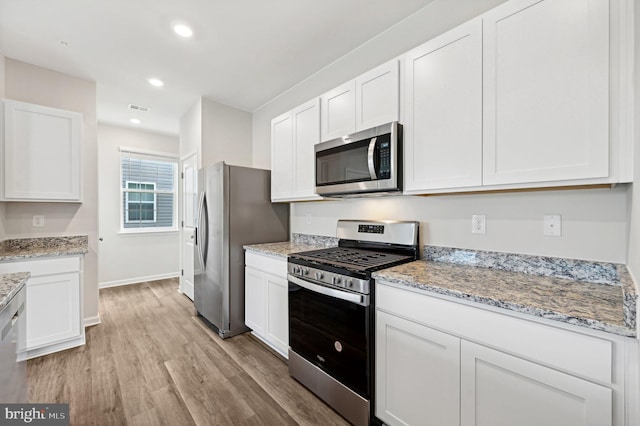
(49, 349)
(88, 322)
(136, 280)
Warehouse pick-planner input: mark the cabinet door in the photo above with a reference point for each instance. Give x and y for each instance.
(377, 96)
(53, 309)
(278, 312)
(417, 373)
(338, 112)
(255, 300)
(306, 119)
(41, 153)
(503, 390)
(443, 111)
(546, 91)
(282, 157)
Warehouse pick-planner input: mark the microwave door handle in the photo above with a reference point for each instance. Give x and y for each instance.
(371, 161)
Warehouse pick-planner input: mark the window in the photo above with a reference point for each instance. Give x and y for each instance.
(148, 191)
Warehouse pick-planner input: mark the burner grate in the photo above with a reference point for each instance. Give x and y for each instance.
(360, 259)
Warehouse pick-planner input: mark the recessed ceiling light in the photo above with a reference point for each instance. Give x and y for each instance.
(135, 120)
(156, 82)
(183, 30)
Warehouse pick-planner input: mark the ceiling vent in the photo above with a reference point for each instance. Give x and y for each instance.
(139, 108)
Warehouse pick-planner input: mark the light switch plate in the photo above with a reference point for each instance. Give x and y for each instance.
(552, 225)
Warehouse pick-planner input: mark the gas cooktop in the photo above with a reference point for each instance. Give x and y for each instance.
(352, 259)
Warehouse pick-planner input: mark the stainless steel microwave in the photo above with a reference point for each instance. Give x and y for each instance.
(367, 162)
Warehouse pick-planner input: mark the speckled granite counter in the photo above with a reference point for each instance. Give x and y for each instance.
(604, 300)
(10, 285)
(298, 243)
(27, 248)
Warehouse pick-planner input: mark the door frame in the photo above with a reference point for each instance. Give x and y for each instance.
(182, 288)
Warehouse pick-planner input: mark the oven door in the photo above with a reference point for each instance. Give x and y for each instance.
(330, 329)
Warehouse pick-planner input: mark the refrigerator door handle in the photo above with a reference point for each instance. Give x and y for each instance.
(199, 227)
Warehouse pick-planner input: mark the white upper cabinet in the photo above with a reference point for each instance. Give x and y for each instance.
(546, 91)
(293, 136)
(367, 101)
(282, 157)
(42, 153)
(338, 112)
(306, 125)
(377, 96)
(443, 111)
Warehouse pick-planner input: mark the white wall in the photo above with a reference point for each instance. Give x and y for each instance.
(191, 132)
(130, 258)
(633, 256)
(594, 221)
(226, 134)
(2, 208)
(29, 83)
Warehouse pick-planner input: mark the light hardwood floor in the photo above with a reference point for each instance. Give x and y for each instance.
(151, 362)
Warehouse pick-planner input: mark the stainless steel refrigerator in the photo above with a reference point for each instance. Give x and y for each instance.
(234, 209)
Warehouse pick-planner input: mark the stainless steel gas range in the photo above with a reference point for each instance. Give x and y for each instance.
(331, 311)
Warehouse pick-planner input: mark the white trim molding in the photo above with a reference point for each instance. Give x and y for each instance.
(138, 280)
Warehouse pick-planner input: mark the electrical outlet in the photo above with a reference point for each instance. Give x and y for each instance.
(38, 221)
(552, 225)
(479, 224)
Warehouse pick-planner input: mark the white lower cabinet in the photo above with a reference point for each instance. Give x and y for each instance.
(501, 389)
(441, 362)
(53, 305)
(417, 373)
(267, 300)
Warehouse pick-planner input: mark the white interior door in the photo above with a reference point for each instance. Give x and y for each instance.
(189, 210)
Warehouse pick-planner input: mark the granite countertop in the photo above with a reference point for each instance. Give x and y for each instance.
(10, 285)
(559, 289)
(298, 243)
(28, 248)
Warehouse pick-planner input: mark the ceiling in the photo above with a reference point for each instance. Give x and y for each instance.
(243, 52)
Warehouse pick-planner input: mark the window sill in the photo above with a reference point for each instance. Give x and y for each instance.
(147, 231)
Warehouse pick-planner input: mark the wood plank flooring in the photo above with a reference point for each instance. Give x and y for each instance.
(151, 362)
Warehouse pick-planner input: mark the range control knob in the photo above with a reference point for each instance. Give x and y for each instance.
(296, 270)
(319, 275)
(336, 280)
(305, 271)
(349, 283)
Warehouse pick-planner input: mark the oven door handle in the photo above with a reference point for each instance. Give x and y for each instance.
(359, 299)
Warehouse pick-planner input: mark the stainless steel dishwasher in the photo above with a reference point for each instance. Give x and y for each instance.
(13, 364)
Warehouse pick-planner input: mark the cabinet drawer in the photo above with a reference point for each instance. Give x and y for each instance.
(273, 265)
(41, 267)
(581, 354)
